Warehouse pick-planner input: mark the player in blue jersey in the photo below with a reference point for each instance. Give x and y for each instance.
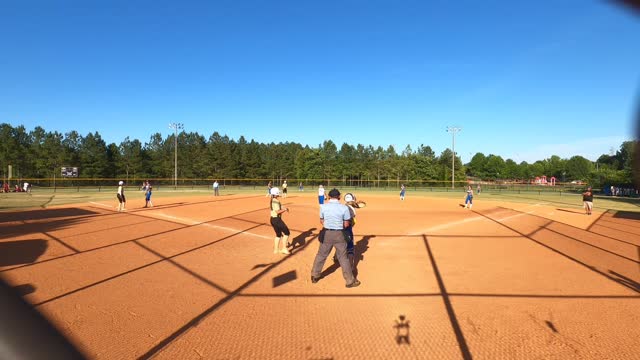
(468, 201)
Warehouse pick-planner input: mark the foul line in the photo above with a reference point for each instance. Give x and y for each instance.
(516, 215)
(107, 206)
(446, 225)
(477, 218)
(190, 222)
(218, 227)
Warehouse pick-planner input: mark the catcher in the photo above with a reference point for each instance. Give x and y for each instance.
(352, 204)
(350, 200)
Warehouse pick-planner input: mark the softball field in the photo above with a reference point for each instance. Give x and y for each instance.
(195, 277)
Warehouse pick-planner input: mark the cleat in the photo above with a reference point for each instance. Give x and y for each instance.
(355, 283)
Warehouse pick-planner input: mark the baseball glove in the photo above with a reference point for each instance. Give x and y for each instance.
(361, 204)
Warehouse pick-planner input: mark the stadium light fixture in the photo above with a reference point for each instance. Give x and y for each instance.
(453, 130)
(175, 127)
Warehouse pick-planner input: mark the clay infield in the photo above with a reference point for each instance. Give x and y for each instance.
(196, 277)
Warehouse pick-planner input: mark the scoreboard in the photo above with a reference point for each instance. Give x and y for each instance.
(69, 171)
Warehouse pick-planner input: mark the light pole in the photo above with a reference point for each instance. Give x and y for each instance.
(453, 130)
(175, 127)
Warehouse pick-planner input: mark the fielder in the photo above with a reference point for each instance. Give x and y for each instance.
(468, 201)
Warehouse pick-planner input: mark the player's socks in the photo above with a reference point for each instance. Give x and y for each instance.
(284, 245)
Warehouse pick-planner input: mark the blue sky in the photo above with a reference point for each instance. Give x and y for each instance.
(524, 81)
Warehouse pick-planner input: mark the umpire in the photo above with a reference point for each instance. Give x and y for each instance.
(334, 217)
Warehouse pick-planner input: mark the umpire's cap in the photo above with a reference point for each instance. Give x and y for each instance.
(334, 193)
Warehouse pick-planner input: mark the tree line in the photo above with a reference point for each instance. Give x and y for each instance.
(40, 154)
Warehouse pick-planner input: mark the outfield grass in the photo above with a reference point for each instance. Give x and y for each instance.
(45, 197)
(570, 200)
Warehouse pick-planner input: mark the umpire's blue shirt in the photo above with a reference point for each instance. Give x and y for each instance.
(334, 214)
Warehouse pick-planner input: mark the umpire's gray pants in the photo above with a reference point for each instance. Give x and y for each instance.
(333, 239)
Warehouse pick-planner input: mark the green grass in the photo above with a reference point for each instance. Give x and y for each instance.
(564, 200)
(554, 198)
(45, 197)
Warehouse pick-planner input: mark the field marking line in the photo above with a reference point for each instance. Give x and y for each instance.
(218, 227)
(190, 222)
(514, 216)
(476, 218)
(97, 203)
(521, 212)
(447, 225)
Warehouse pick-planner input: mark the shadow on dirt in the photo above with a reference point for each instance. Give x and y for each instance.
(571, 211)
(284, 278)
(597, 251)
(360, 248)
(45, 214)
(24, 289)
(630, 283)
(301, 239)
(259, 266)
(629, 215)
(26, 222)
(21, 251)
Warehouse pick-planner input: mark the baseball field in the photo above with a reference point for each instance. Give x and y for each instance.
(515, 277)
